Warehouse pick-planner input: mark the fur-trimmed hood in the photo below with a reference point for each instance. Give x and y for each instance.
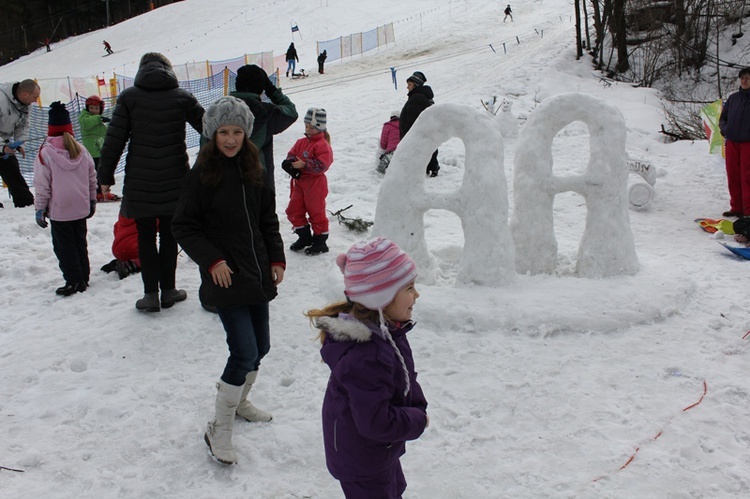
(344, 328)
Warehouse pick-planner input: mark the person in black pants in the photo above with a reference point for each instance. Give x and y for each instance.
(15, 99)
(321, 61)
(151, 115)
(420, 98)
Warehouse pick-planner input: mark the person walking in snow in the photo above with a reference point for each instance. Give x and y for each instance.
(321, 61)
(15, 101)
(373, 402)
(151, 117)
(420, 97)
(226, 222)
(107, 47)
(734, 124)
(508, 13)
(291, 59)
(389, 139)
(93, 125)
(307, 162)
(65, 185)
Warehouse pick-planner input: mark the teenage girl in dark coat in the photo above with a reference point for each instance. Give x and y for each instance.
(226, 222)
(420, 98)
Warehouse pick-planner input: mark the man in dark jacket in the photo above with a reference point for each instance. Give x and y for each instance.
(321, 61)
(420, 98)
(271, 118)
(734, 124)
(151, 115)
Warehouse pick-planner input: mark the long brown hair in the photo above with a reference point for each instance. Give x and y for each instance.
(72, 146)
(248, 158)
(359, 312)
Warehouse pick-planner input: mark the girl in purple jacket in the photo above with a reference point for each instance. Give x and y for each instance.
(373, 403)
(65, 185)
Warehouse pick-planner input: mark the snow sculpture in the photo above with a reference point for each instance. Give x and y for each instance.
(607, 247)
(507, 122)
(641, 188)
(481, 201)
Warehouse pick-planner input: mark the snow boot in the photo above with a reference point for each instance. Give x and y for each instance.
(149, 302)
(110, 267)
(318, 245)
(125, 268)
(246, 409)
(218, 435)
(172, 296)
(304, 240)
(71, 289)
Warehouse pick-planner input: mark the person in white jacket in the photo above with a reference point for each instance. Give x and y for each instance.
(15, 99)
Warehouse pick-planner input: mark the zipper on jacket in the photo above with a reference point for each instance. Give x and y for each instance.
(250, 226)
(335, 435)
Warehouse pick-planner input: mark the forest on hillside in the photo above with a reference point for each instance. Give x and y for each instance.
(24, 26)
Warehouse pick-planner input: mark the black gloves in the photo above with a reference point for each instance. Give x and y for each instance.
(92, 209)
(286, 165)
(105, 119)
(269, 88)
(41, 218)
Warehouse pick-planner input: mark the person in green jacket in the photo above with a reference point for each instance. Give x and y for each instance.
(271, 118)
(93, 131)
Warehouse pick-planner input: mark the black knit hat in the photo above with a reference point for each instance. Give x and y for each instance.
(251, 78)
(418, 78)
(59, 120)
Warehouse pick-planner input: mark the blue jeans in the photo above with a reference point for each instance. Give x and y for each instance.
(291, 64)
(248, 338)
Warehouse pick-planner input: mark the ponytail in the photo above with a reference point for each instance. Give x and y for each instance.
(72, 146)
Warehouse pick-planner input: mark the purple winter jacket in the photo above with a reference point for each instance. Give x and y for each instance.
(366, 416)
(64, 187)
(734, 122)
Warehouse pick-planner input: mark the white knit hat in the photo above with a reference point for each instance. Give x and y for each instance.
(227, 111)
(316, 117)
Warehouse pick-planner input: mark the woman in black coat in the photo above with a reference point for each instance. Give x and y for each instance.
(150, 118)
(226, 222)
(420, 98)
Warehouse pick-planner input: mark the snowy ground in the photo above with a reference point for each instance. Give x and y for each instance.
(546, 388)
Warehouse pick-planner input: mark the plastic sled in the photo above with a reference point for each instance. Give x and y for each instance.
(740, 251)
(713, 225)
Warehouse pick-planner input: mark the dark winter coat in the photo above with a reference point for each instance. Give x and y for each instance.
(271, 118)
(235, 222)
(734, 122)
(367, 419)
(151, 115)
(419, 99)
(291, 53)
(322, 57)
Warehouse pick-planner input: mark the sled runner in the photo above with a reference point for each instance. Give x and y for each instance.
(301, 74)
(737, 250)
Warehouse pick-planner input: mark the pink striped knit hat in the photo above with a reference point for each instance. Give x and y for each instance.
(374, 271)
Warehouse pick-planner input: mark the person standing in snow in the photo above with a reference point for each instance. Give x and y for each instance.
(734, 124)
(373, 402)
(107, 47)
(271, 118)
(93, 130)
(389, 139)
(291, 59)
(307, 162)
(15, 99)
(420, 98)
(508, 13)
(321, 61)
(150, 117)
(226, 222)
(65, 185)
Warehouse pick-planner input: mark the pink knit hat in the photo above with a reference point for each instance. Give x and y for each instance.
(374, 271)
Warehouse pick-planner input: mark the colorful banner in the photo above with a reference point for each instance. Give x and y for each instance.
(710, 115)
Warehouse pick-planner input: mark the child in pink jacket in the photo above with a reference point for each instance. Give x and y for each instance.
(389, 139)
(65, 185)
(307, 163)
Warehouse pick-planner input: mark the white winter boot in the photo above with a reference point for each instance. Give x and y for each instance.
(218, 436)
(246, 409)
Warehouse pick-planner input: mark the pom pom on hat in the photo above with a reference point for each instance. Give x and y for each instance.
(418, 78)
(227, 111)
(59, 120)
(316, 117)
(251, 78)
(374, 271)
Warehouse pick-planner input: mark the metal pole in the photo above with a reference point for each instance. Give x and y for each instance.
(107, 2)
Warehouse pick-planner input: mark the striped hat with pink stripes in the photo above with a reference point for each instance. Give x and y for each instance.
(374, 271)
